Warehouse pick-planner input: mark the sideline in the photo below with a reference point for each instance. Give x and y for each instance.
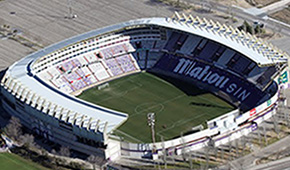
(119, 131)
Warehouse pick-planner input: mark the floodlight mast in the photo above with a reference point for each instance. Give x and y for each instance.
(151, 123)
(70, 14)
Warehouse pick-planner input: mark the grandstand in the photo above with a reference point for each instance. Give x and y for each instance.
(240, 69)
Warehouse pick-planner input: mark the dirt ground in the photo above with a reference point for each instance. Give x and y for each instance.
(248, 3)
(283, 15)
(263, 3)
(241, 3)
(270, 35)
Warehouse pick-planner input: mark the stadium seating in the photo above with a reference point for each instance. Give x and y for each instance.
(99, 71)
(116, 55)
(190, 44)
(126, 63)
(239, 86)
(114, 66)
(84, 70)
(229, 63)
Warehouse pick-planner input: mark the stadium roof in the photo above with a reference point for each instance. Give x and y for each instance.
(261, 52)
(24, 83)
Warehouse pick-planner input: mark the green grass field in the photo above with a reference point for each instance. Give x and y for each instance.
(178, 106)
(10, 161)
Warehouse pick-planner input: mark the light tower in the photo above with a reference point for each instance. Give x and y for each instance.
(70, 12)
(151, 123)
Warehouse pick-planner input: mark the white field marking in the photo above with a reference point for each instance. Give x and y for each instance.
(135, 82)
(129, 136)
(123, 93)
(108, 98)
(148, 108)
(187, 120)
(143, 104)
(162, 103)
(210, 101)
(170, 100)
(18, 163)
(175, 124)
(118, 85)
(159, 79)
(119, 94)
(178, 123)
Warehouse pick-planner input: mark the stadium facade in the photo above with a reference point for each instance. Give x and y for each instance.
(40, 89)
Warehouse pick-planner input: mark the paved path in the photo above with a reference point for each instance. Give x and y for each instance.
(243, 14)
(274, 165)
(44, 21)
(248, 162)
(277, 5)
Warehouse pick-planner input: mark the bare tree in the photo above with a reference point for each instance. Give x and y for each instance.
(53, 151)
(13, 128)
(92, 160)
(27, 140)
(95, 160)
(211, 6)
(64, 151)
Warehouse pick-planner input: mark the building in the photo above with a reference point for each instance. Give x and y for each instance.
(40, 89)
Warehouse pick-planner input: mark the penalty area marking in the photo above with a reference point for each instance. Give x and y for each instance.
(210, 101)
(162, 103)
(137, 112)
(131, 137)
(118, 94)
(176, 124)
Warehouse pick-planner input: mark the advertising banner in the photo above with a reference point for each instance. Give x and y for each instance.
(233, 85)
(283, 78)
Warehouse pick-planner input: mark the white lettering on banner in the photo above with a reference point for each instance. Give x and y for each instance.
(231, 88)
(204, 74)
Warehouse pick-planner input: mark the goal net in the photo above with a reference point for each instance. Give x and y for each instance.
(103, 86)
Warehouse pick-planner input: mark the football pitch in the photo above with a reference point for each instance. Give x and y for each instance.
(178, 106)
(9, 161)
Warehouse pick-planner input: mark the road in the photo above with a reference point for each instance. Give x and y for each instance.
(279, 164)
(46, 22)
(248, 162)
(276, 6)
(242, 14)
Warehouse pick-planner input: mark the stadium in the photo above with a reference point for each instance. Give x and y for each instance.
(206, 83)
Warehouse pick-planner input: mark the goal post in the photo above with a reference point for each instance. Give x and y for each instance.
(103, 86)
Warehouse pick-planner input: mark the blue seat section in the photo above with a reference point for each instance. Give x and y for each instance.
(214, 79)
(208, 51)
(241, 64)
(190, 44)
(266, 77)
(166, 62)
(212, 52)
(227, 61)
(172, 41)
(175, 42)
(238, 63)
